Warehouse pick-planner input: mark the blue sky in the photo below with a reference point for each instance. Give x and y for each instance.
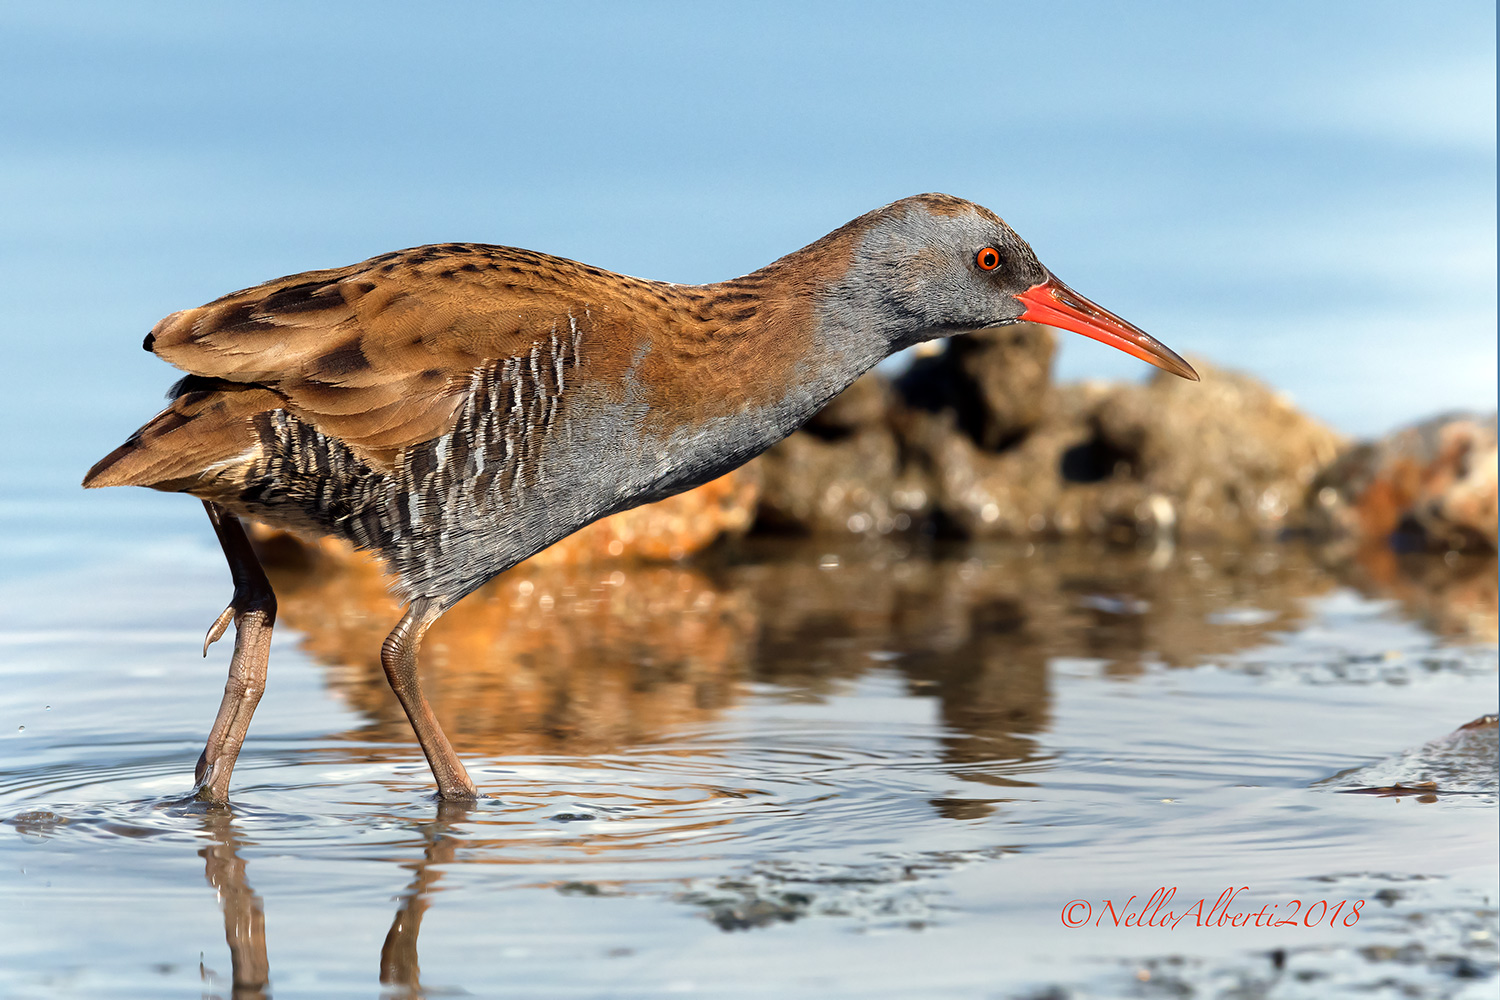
(1303, 191)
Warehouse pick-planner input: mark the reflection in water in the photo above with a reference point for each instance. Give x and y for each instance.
(977, 629)
(788, 730)
(245, 919)
(1454, 596)
(592, 659)
(398, 955)
(585, 678)
(567, 659)
(244, 915)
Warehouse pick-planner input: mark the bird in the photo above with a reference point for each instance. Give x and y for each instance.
(456, 408)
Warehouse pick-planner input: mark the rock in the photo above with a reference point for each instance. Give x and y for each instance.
(1431, 485)
(976, 444)
(844, 471)
(1013, 493)
(873, 460)
(997, 382)
(1460, 763)
(1224, 458)
(865, 405)
(1232, 456)
(1466, 506)
(852, 484)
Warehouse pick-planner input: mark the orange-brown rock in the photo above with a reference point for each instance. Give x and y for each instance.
(1431, 485)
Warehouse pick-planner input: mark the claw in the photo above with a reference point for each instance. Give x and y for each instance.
(217, 628)
(201, 773)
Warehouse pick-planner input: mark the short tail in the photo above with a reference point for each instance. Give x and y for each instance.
(204, 443)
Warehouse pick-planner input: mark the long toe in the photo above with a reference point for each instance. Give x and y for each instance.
(217, 629)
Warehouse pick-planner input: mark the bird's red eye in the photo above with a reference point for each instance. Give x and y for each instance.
(988, 259)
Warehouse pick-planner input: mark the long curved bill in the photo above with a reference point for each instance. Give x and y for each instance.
(1055, 304)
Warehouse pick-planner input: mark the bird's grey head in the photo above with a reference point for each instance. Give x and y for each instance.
(935, 266)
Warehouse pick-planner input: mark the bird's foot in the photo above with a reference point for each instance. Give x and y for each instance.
(464, 793)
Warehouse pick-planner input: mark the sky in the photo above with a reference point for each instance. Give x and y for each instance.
(1302, 191)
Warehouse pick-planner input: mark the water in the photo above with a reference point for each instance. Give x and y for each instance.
(790, 769)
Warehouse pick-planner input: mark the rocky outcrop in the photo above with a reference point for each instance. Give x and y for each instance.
(997, 384)
(843, 472)
(978, 443)
(1233, 457)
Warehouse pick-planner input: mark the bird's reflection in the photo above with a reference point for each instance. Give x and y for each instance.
(245, 918)
(244, 914)
(398, 955)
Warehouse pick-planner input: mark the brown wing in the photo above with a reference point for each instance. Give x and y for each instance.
(196, 445)
(379, 354)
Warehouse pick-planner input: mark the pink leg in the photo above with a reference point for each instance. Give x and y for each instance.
(399, 658)
(253, 611)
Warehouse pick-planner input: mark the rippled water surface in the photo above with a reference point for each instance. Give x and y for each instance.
(789, 769)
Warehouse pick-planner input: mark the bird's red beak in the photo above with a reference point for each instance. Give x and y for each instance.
(1055, 304)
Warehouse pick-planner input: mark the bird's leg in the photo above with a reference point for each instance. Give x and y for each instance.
(253, 611)
(398, 656)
